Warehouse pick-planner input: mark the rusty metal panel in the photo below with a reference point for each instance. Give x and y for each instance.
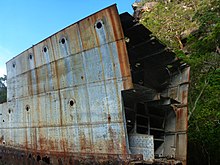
(65, 91)
(178, 90)
(103, 27)
(54, 68)
(181, 151)
(3, 119)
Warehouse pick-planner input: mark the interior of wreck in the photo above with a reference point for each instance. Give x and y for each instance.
(150, 117)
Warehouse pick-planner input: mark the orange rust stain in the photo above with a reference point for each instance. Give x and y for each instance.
(121, 47)
(179, 113)
(124, 64)
(55, 75)
(181, 121)
(111, 147)
(64, 143)
(111, 143)
(36, 71)
(86, 33)
(26, 139)
(43, 143)
(83, 142)
(1, 139)
(124, 147)
(184, 97)
(97, 40)
(116, 23)
(34, 140)
(30, 83)
(52, 145)
(60, 108)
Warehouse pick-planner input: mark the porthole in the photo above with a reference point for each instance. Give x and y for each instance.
(45, 49)
(63, 40)
(30, 56)
(72, 102)
(38, 158)
(99, 24)
(13, 65)
(27, 108)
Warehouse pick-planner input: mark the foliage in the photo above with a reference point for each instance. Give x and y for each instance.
(204, 128)
(173, 19)
(172, 22)
(3, 89)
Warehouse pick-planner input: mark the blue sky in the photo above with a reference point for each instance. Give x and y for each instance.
(24, 23)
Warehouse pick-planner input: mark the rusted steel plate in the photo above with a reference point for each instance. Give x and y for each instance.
(55, 58)
(11, 156)
(65, 92)
(178, 90)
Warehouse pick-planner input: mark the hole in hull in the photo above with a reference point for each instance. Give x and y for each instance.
(38, 158)
(46, 160)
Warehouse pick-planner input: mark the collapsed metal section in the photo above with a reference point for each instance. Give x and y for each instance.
(160, 87)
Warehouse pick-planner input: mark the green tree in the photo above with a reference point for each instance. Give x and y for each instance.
(204, 116)
(199, 22)
(171, 21)
(3, 89)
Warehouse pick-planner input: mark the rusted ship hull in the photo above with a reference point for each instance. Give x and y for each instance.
(101, 91)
